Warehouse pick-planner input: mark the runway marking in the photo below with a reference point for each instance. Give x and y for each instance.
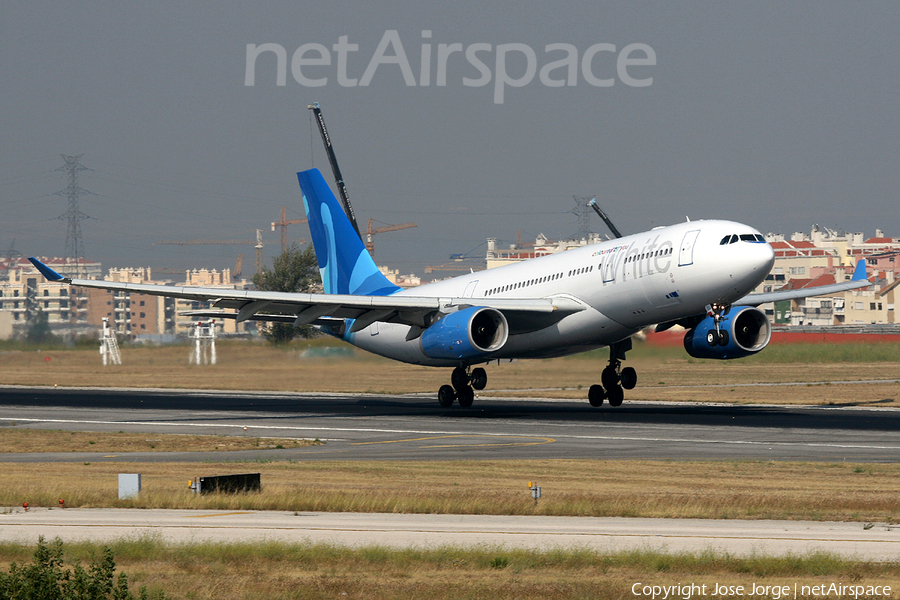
(583, 534)
(215, 515)
(422, 432)
(543, 440)
(712, 385)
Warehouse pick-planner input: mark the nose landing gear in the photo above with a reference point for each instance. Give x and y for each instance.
(463, 386)
(614, 379)
(717, 336)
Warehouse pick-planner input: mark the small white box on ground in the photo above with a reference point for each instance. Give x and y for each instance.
(129, 485)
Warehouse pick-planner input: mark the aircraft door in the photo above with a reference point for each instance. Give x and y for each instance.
(470, 289)
(610, 264)
(686, 253)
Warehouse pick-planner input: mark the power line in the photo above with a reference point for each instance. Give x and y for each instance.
(583, 212)
(73, 216)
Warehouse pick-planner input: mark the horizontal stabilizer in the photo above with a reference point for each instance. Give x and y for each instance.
(859, 280)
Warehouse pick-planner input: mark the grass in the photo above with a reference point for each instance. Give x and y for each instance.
(676, 489)
(856, 353)
(664, 373)
(272, 569)
(44, 440)
(728, 489)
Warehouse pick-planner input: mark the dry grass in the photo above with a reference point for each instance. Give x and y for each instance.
(723, 490)
(37, 440)
(664, 374)
(280, 570)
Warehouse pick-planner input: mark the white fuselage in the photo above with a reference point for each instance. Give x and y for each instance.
(624, 285)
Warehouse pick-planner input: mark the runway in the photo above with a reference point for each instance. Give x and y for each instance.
(739, 538)
(382, 427)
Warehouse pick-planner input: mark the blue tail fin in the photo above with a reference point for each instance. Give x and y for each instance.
(344, 263)
(860, 272)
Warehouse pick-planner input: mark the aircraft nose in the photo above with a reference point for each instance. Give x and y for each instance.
(757, 262)
(766, 257)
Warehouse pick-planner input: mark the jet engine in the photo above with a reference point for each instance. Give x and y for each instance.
(466, 334)
(745, 330)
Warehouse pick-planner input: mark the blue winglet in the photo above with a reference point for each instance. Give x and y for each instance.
(46, 271)
(860, 273)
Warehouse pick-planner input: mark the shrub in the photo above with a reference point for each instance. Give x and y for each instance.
(48, 578)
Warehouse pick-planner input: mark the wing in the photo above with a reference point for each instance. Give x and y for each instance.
(304, 309)
(859, 280)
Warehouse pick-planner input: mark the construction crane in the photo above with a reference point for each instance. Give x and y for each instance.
(459, 268)
(167, 270)
(258, 244)
(283, 223)
(339, 179)
(259, 247)
(371, 231)
(342, 188)
(593, 204)
(237, 267)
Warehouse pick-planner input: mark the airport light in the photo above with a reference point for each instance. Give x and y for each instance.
(535, 491)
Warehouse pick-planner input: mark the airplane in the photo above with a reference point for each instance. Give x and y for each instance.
(696, 274)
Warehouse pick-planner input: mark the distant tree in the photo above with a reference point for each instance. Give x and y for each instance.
(294, 270)
(39, 329)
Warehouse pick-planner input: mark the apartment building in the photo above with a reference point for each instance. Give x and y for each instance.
(75, 311)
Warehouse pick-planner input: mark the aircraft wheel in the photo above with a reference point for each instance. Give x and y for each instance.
(629, 378)
(712, 337)
(466, 397)
(609, 378)
(723, 338)
(446, 396)
(596, 395)
(616, 396)
(459, 378)
(479, 378)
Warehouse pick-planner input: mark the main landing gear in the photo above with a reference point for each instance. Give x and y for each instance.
(464, 383)
(717, 336)
(614, 380)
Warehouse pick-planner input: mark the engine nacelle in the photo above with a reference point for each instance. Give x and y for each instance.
(748, 331)
(466, 334)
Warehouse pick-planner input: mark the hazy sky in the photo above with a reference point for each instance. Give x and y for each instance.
(776, 114)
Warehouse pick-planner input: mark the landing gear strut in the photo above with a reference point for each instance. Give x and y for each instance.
(717, 336)
(614, 379)
(463, 386)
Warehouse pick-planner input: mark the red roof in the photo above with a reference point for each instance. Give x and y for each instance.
(799, 284)
(792, 244)
(788, 248)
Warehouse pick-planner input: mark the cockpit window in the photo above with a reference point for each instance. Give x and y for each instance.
(744, 237)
